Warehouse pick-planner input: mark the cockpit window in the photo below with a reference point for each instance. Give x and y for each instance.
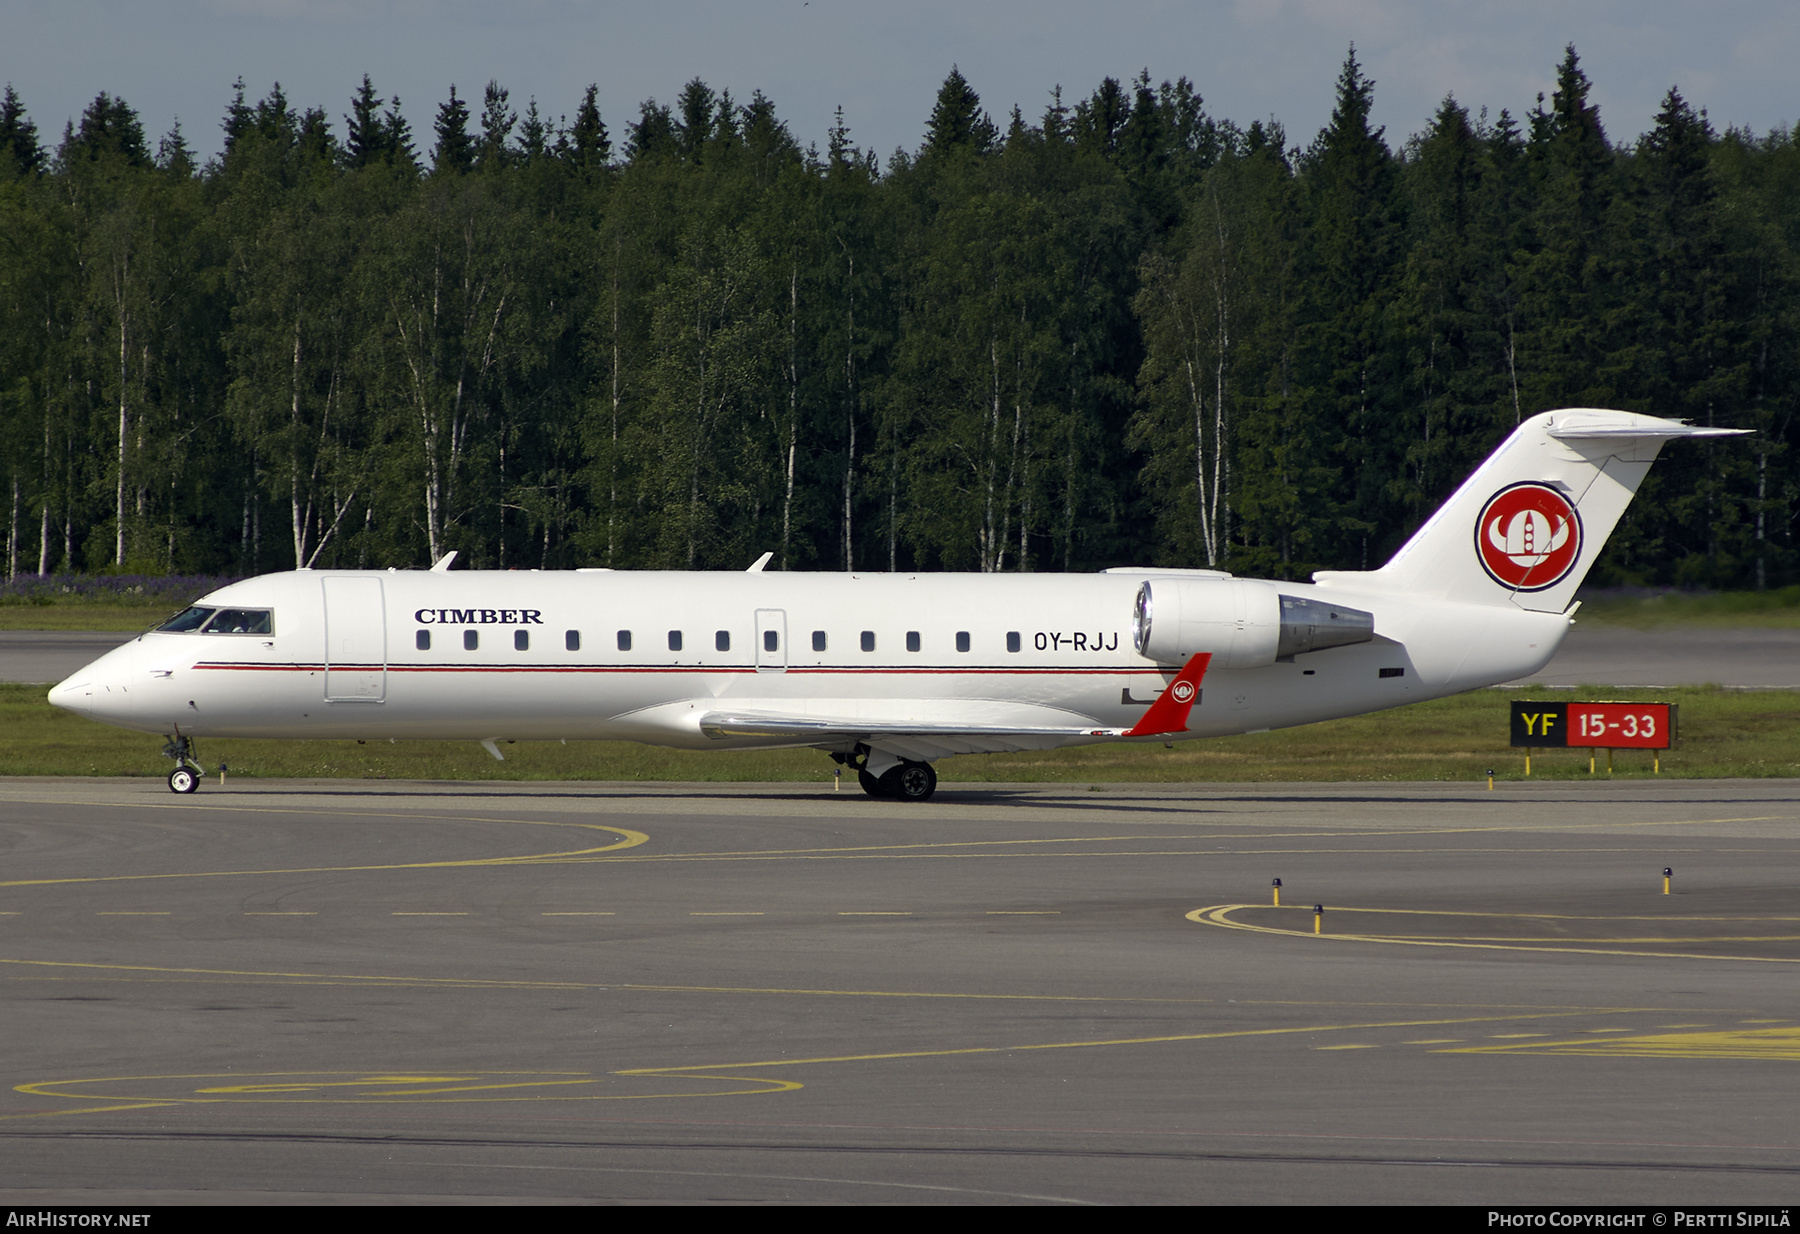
(242, 621)
(187, 621)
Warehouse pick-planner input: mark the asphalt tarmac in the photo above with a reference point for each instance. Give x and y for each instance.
(367, 992)
(1591, 655)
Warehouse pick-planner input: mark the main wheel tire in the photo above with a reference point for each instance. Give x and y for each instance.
(910, 782)
(184, 780)
(871, 785)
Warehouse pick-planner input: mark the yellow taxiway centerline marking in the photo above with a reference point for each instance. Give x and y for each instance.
(1768, 1044)
(248, 1086)
(627, 839)
(257, 914)
(580, 914)
(1515, 1010)
(1080, 1045)
(415, 914)
(631, 839)
(1219, 915)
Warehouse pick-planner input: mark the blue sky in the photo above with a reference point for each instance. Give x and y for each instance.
(883, 63)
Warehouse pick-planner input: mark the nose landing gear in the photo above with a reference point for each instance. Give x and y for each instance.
(186, 776)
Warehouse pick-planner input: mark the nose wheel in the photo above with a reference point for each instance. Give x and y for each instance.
(186, 776)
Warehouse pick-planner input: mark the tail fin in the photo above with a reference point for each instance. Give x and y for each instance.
(1529, 523)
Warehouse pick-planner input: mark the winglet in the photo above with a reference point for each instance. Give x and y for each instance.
(443, 565)
(1169, 713)
(756, 567)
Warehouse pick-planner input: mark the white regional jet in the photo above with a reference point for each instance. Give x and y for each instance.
(888, 672)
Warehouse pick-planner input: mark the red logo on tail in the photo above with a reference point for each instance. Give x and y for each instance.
(1528, 537)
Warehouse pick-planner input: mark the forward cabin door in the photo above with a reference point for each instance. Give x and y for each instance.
(771, 640)
(355, 641)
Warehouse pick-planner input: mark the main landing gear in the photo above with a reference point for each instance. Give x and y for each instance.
(186, 776)
(907, 781)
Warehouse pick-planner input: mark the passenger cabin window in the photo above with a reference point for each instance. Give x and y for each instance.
(868, 640)
(571, 640)
(1012, 640)
(674, 640)
(722, 640)
(422, 640)
(187, 620)
(912, 640)
(471, 639)
(624, 640)
(242, 621)
(962, 640)
(818, 640)
(771, 641)
(521, 640)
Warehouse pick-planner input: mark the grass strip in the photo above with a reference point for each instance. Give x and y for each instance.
(1724, 733)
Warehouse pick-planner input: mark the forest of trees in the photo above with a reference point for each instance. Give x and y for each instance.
(1123, 331)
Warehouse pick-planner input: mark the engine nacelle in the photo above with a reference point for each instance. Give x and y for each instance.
(1244, 623)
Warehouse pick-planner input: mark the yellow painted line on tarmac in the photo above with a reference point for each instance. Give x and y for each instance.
(583, 914)
(428, 914)
(78, 969)
(1220, 915)
(1433, 1041)
(1768, 1044)
(949, 847)
(872, 913)
(627, 839)
(327, 1088)
(723, 914)
(509, 1086)
(1368, 1045)
(1095, 1044)
(131, 913)
(256, 914)
(1022, 912)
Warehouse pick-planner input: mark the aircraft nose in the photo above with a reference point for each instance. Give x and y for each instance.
(73, 694)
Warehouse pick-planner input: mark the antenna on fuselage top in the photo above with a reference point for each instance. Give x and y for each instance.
(756, 567)
(443, 565)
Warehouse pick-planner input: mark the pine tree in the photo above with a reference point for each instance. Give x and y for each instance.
(455, 149)
(173, 154)
(533, 133)
(698, 120)
(957, 121)
(591, 147)
(18, 138)
(1565, 285)
(366, 138)
(109, 127)
(1350, 264)
(654, 135)
(497, 121)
